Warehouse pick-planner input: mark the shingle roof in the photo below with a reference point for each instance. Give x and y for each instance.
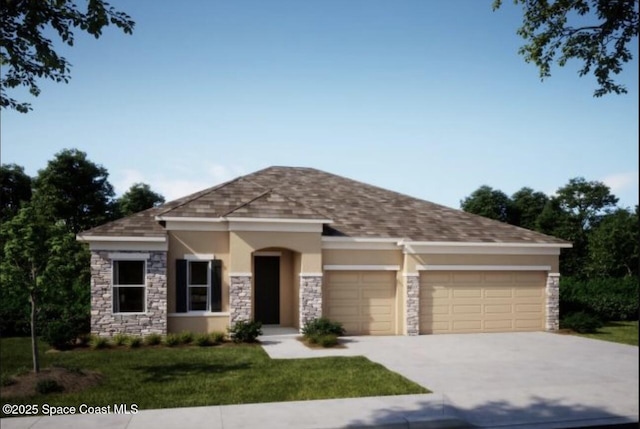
(357, 210)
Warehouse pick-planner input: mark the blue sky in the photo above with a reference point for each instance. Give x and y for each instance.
(428, 98)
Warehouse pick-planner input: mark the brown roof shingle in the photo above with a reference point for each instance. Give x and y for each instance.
(357, 210)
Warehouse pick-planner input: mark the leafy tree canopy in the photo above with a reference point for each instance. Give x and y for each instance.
(15, 189)
(75, 191)
(26, 54)
(585, 201)
(139, 197)
(488, 202)
(613, 245)
(595, 32)
(527, 206)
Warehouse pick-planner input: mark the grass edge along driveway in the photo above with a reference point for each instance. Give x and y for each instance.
(159, 377)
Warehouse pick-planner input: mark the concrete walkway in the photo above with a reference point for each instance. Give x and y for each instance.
(523, 380)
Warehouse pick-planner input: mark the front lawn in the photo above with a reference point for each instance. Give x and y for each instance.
(161, 377)
(617, 332)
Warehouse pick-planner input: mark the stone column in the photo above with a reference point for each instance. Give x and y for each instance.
(310, 297)
(239, 297)
(412, 285)
(553, 302)
(103, 321)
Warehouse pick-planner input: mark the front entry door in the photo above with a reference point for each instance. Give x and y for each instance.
(267, 289)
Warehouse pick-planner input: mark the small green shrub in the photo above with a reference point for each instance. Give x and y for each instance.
(153, 339)
(172, 340)
(606, 298)
(47, 386)
(218, 337)
(245, 331)
(60, 334)
(322, 326)
(186, 337)
(328, 340)
(581, 322)
(120, 339)
(134, 342)
(203, 340)
(97, 342)
(83, 340)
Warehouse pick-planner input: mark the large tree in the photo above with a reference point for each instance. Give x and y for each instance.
(488, 202)
(139, 197)
(596, 33)
(15, 189)
(75, 190)
(613, 245)
(26, 51)
(527, 206)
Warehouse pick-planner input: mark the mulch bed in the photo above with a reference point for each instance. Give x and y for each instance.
(70, 380)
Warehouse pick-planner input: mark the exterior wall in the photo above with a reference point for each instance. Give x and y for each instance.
(199, 324)
(286, 288)
(552, 290)
(412, 299)
(242, 244)
(240, 299)
(362, 257)
(194, 242)
(297, 263)
(310, 298)
(153, 321)
(453, 259)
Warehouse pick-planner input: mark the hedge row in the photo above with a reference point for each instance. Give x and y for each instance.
(607, 298)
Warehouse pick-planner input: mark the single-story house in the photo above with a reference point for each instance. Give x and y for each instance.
(285, 245)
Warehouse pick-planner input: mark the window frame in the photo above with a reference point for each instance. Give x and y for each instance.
(189, 286)
(115, 285)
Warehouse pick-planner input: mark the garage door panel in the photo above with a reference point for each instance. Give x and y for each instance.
(496, 302)
(363, 301)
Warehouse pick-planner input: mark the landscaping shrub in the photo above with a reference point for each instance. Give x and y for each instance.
(186, 337)
(153, 339)
(134, 342)
(322, 326)
(245, 332)
(172, 340)
(606, 298)
(581, 322)
(47, 385)
(120, 339)
(60, 334)
(98, 342)
(203, 340)
(218, 337)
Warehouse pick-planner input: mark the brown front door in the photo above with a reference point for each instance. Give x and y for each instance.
(267, 289)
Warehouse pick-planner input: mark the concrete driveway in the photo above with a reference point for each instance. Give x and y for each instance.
(519, 378)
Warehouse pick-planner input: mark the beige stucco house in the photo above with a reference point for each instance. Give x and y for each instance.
(285, 245)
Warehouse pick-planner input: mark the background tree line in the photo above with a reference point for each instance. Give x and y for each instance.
(599, 280)
(42, 267)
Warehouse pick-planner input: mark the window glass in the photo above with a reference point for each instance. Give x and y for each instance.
(128, 299)
(198, 273)
(128, 272)
(198, 298)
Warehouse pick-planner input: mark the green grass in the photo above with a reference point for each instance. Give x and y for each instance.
(617, 332)
(195, 376)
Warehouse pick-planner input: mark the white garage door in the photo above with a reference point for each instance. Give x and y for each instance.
(363, 301)
(481, 301)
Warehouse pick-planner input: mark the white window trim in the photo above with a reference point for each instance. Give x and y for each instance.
(199, 256)
(114, 285)
(208, 286)
(129, 256)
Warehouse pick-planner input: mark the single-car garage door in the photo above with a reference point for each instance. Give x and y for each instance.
(363, 301)
(481, 301)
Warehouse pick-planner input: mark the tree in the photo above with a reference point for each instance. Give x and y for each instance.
(26, 54)
(15, 189)
(586, 201)
(25, 260)
(139, 197)
(595, 32)
(75, 191)
(613, 245)
(488, 202)
(527, 206)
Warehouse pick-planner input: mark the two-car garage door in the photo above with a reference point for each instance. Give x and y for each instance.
(481, 301)
(363, 301)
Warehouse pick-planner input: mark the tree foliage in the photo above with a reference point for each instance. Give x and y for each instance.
(613, 245)
(139, 197)
(488, 202)
(596, 32)
(26, 52)
(75, 190)
(527, 205)
(15, 189)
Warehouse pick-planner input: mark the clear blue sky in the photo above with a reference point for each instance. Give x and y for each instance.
(429, 98)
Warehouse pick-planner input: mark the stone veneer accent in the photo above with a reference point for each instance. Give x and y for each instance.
(104, 322)
(553, 302)
(239, 298)
(310, 298)
(412, 283)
